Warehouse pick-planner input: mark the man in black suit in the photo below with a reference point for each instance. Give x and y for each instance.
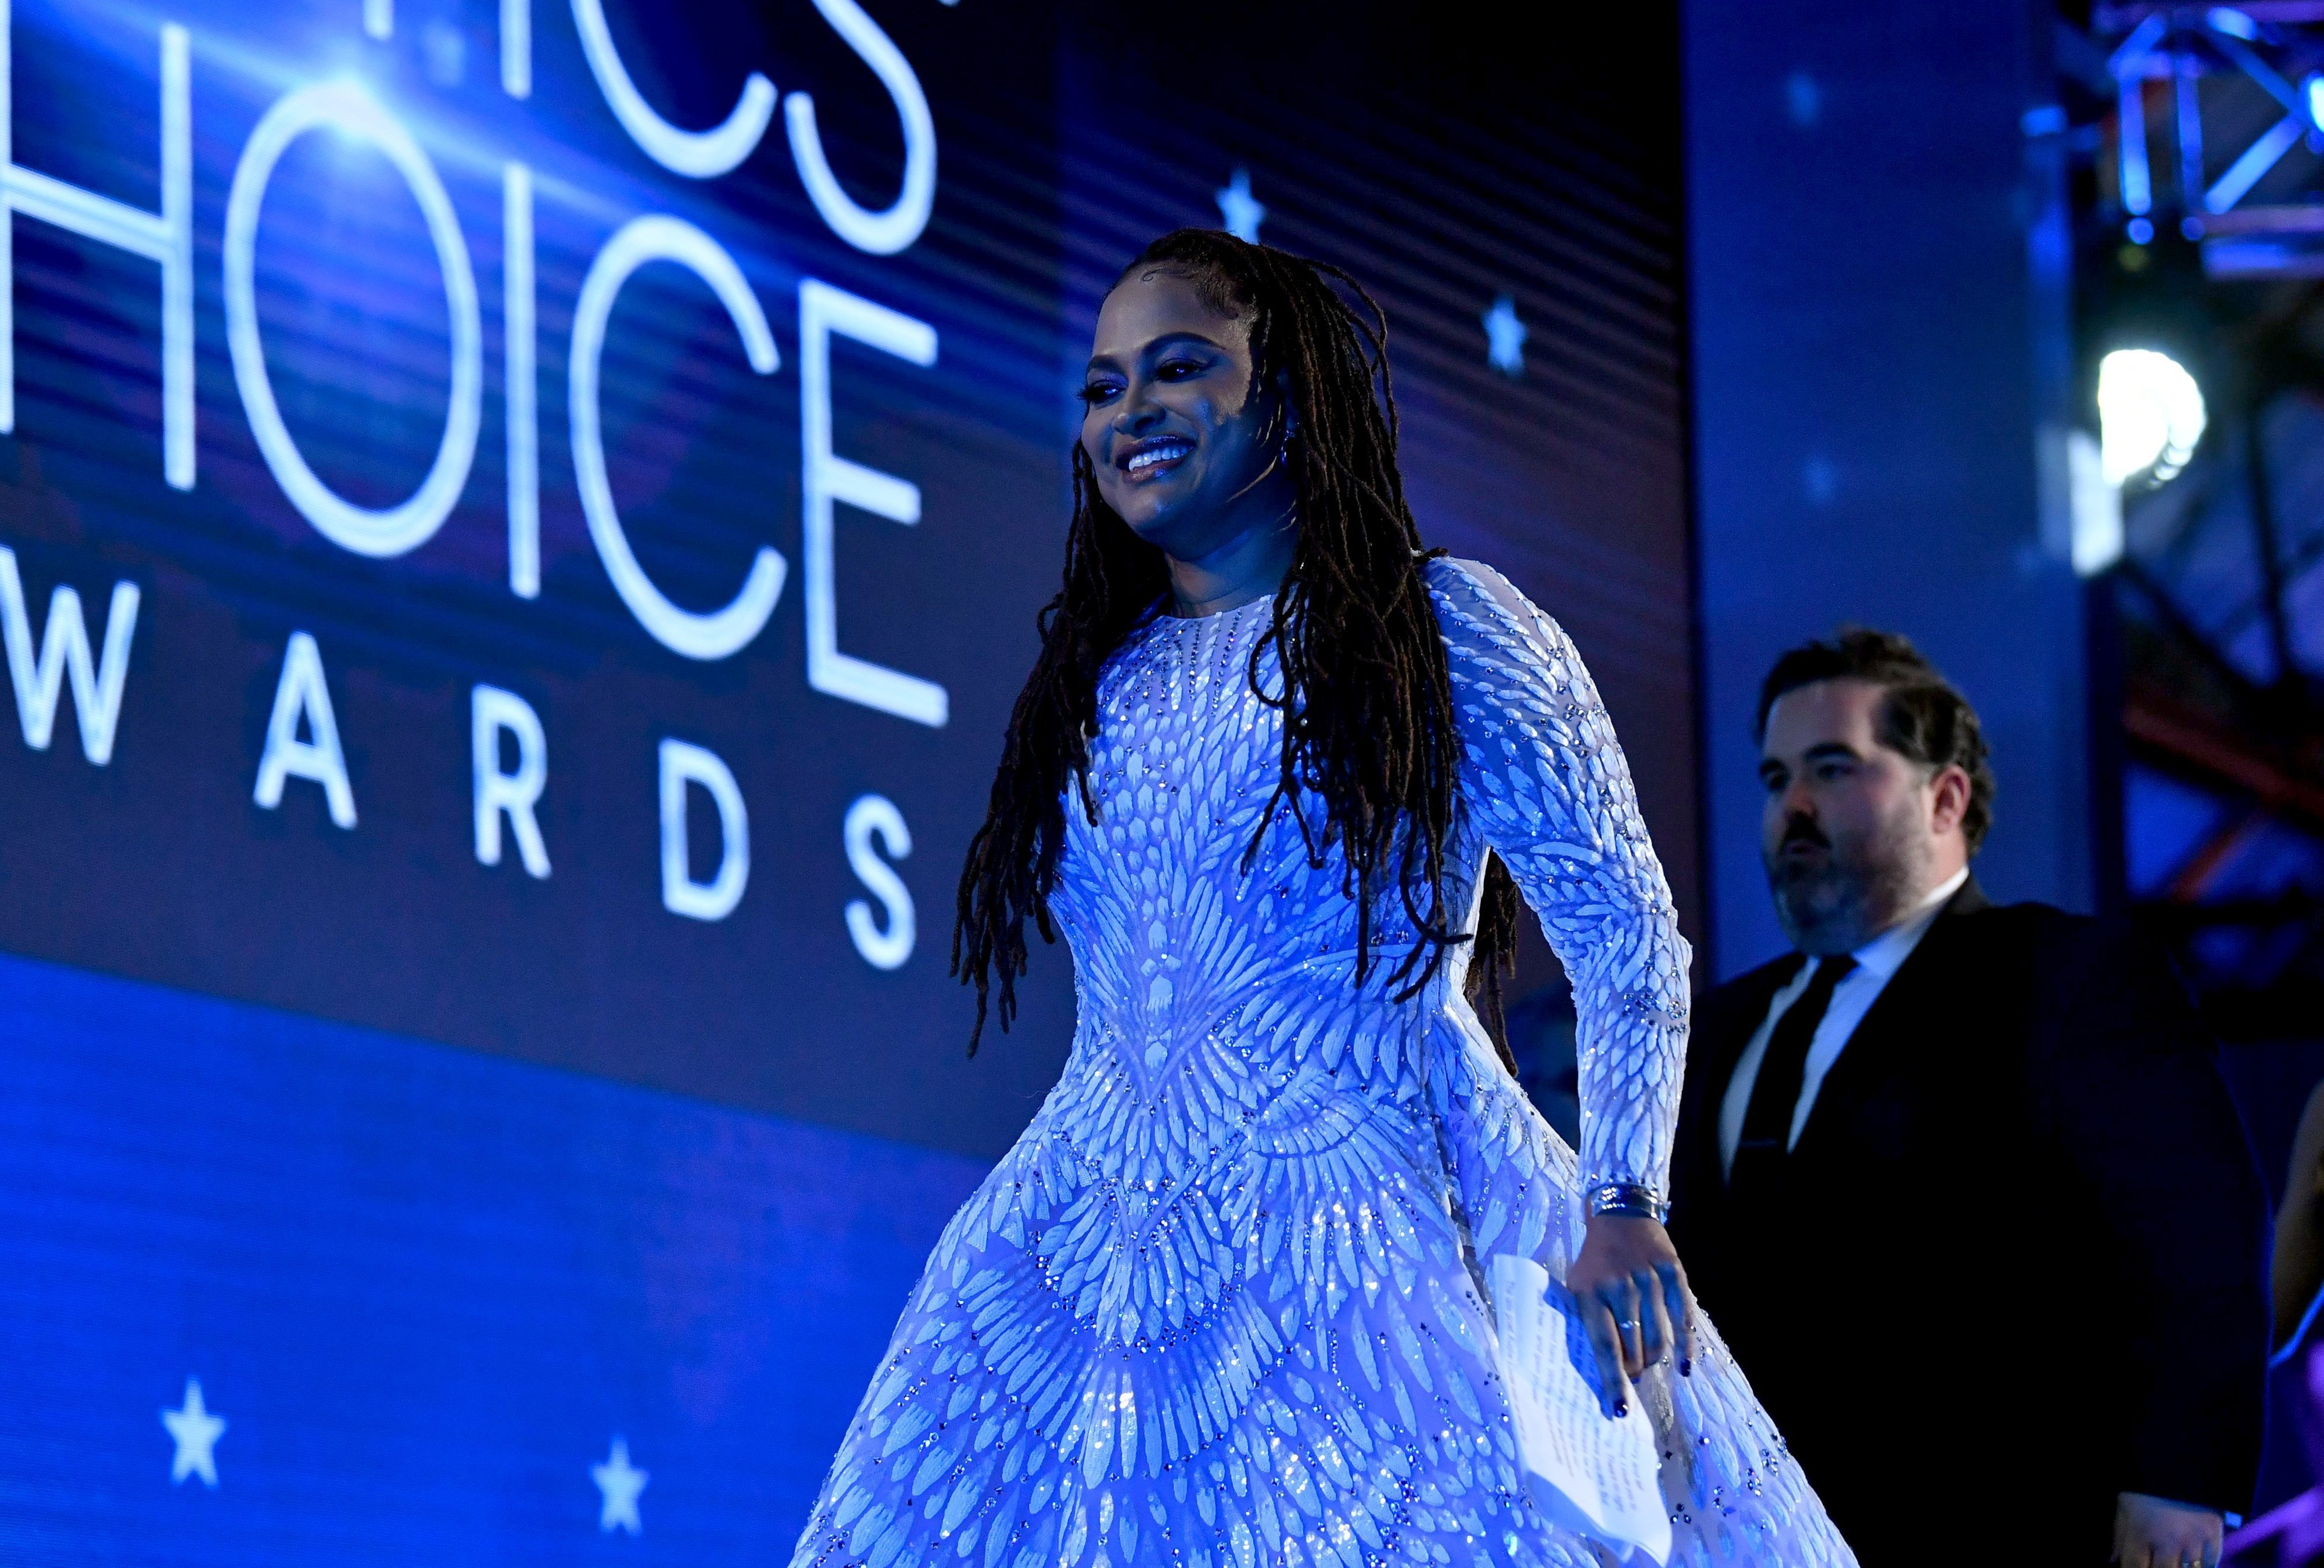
(1961, 1183)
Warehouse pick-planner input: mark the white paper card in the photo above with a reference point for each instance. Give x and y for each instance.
(1592, 1474)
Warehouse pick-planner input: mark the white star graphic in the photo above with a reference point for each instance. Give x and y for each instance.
(1238, 210)
(196, 1432)
(1504, 338)
(620, 1483)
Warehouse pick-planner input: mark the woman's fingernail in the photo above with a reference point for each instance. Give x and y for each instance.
(1686, 1366)
(1621, 1407)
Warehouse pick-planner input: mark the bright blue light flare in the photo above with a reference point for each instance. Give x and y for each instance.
(2140, 230)
(1504, 338)
(1239, 212)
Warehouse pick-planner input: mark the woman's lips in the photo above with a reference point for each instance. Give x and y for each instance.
(1149, 460)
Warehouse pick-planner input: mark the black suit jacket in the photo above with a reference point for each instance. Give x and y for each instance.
(2016, 1260)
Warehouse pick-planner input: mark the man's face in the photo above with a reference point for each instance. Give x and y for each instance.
(1851, 831)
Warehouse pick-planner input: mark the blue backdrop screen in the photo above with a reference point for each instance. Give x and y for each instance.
(519, 528)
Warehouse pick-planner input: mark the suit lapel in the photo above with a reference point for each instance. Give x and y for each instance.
(1915, 1004)
(1733, 1027)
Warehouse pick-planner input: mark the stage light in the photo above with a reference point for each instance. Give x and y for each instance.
(2096, 513)
(2149, 415)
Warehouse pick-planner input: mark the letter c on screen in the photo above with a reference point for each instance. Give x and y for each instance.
(344, 106)
(717, 633)
(697, 155)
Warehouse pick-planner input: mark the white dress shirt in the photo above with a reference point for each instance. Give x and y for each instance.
(1852, 998)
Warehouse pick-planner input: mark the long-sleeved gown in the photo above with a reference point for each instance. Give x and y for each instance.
(1223, 1304)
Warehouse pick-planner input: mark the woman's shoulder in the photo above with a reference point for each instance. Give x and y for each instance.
(1471, 596)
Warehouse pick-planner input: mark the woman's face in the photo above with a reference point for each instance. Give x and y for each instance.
(1172, 429)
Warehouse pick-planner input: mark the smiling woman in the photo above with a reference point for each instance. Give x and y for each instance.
(1187, 450)
(1277, 776)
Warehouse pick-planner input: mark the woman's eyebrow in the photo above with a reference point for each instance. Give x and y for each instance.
(1171, 339)
(1107, 360)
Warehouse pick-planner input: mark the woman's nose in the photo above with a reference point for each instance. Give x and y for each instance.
(1137, 411)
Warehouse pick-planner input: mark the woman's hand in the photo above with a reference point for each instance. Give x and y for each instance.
(2157, 1532)
(1631, 1292)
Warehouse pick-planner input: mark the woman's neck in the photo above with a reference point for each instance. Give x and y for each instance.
(1249, 563)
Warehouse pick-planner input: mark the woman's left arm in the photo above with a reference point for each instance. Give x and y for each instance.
(1549, 787)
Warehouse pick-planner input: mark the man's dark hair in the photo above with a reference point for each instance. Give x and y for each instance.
(1923, 715)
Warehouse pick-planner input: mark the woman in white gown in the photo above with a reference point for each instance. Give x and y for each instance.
(1224, 1304)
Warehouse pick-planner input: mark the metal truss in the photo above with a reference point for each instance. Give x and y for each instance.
(2219, 130)
(2196, 138)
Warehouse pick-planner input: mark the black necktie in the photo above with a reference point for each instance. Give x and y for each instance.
(1775, 1095)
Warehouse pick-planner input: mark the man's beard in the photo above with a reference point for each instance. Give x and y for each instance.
(1860, 886)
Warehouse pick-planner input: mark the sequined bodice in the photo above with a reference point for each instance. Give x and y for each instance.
(1222, 1305)
(1199, 962)
(1183, 936)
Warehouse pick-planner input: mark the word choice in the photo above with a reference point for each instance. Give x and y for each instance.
(343, 107)
(302, 741)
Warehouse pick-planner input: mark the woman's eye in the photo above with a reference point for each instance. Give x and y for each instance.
(1176, 370)
(1096, 392)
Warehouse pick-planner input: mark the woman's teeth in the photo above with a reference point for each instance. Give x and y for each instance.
(1162, 454)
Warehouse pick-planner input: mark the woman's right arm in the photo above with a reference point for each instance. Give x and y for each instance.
(1546, 783)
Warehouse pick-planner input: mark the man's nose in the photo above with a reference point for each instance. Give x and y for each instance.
(1797, 801)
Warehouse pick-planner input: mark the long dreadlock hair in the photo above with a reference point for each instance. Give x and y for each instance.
(1365, 694)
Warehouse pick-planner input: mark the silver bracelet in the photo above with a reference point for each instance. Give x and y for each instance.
(1635, 1200)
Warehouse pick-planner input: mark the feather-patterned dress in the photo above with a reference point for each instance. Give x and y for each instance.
(1223, 1304)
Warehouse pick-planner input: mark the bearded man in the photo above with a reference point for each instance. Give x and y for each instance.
(1961, 1183)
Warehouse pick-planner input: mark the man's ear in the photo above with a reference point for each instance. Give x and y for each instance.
(1949, 798)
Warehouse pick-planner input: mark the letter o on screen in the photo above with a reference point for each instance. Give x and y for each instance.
(713, 634)
(346, 107)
